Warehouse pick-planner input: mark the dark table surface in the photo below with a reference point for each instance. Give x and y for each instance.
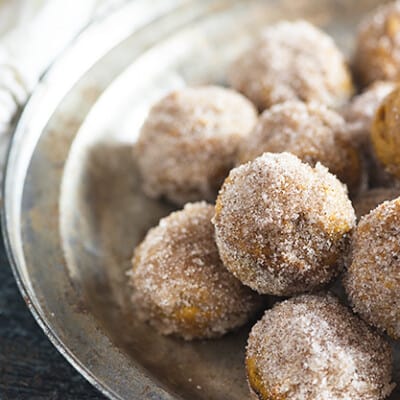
(30, 366)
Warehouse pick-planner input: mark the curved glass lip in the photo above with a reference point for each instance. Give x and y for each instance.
(119, 25)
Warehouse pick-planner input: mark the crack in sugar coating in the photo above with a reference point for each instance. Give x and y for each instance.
(312, 347)
(282, 226)
(370, 199)
(372, 281)
(310, 131)
(385, 133)
(377, 55)
(189, 140)
(179, 283)
(292, 61)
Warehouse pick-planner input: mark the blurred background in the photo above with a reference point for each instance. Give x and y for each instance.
(32, 34)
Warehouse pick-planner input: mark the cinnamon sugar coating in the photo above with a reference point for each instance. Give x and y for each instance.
(372, 281)
(312, 347)
(189, 141)
(310, 131)
(292, 61)
(179, 283)
(377, 55)
(281, 225)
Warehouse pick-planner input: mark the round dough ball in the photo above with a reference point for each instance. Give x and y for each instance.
(180, 285)
(282, 226)
(372, 281)
(189, 141)
(369, 200)
(312, 347)
(292, 61)
(386, 133)
(377, 55)
(310, 131)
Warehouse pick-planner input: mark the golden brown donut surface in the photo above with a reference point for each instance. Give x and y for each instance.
(385, 133)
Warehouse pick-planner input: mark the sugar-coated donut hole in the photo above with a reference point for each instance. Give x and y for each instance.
(312, 347)
(189, 141)
(282, 227)
(179, 283)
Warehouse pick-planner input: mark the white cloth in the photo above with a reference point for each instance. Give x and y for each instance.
(32, 34)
